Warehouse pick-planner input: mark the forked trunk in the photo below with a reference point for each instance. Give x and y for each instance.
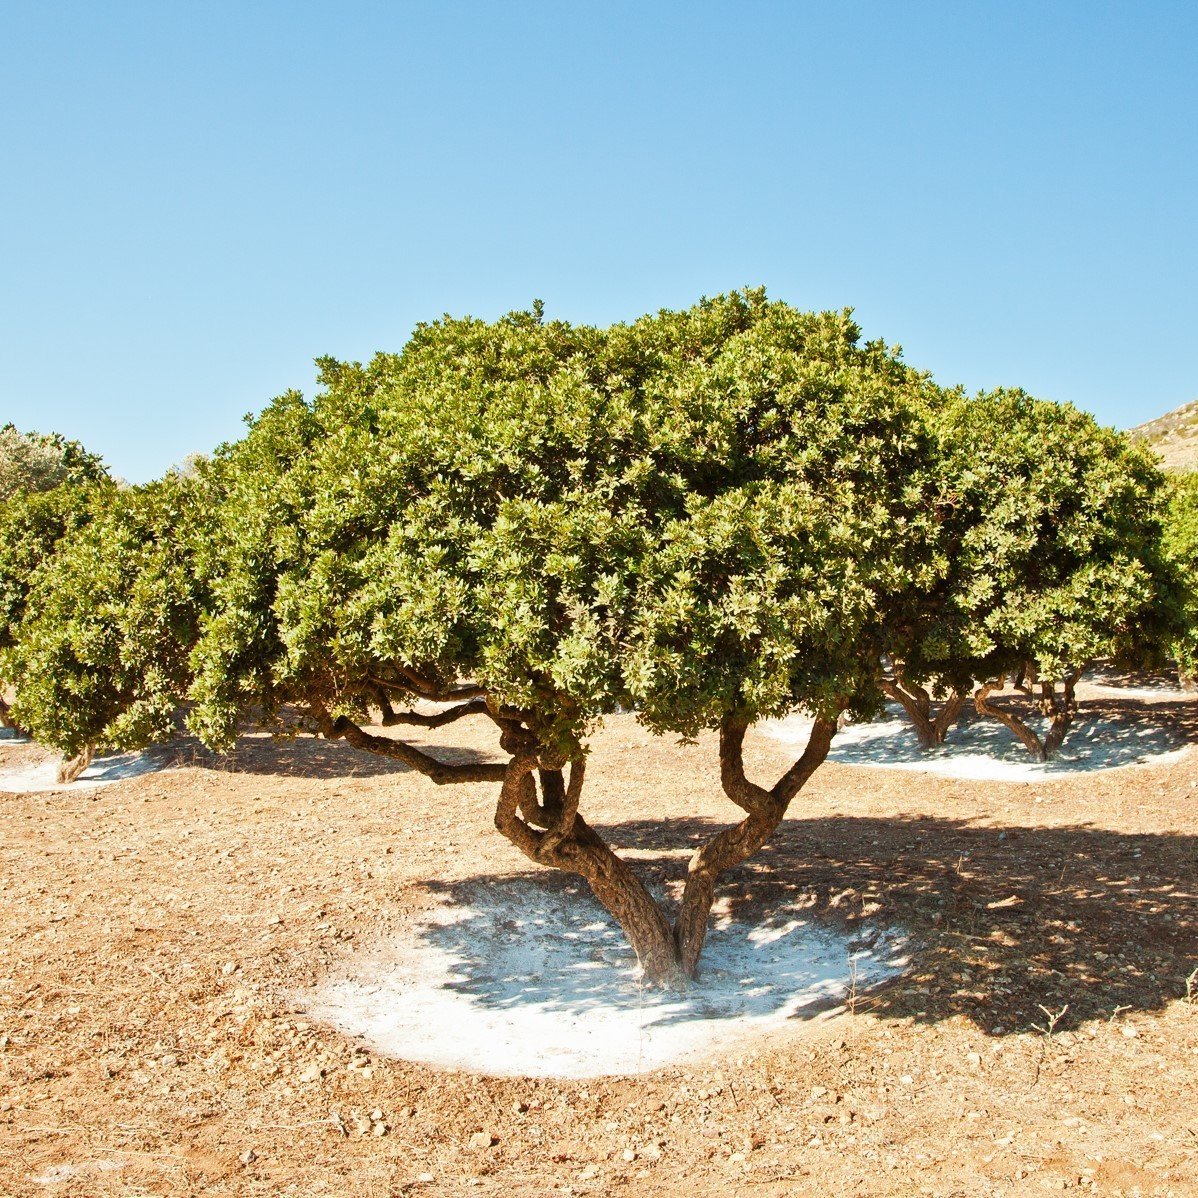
(726, 850)
(71, 767)
(1059, 710)
(932, 729)
(544, 824)
(548, 830)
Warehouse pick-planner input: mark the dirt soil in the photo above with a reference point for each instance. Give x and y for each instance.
(155, 935)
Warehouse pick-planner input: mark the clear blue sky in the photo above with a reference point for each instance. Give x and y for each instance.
(197, 199)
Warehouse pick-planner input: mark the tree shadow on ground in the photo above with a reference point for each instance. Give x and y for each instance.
(544, 942)
(303, 756)
(1107, 732)
(1002, 922)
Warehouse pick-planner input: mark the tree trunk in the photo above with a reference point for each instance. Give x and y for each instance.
(984, 707)
(564, 840)
(550, 832)
(948, 715)
(765, 811)
(1059, 711)
(71, 767)
(917, 703)
(547, 828)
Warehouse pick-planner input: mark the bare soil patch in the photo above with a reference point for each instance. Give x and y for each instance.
(154, 934)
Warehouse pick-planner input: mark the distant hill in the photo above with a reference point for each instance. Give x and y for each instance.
(1174, 436)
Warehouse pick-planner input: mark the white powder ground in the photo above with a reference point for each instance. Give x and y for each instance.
(524, 980)
(41, 776)
(986, 750)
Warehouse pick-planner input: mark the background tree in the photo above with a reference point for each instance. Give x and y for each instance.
(31, 525)
(41, 461)
(1049, 551)
(1180, 545)
(100, 654)
(697, 516)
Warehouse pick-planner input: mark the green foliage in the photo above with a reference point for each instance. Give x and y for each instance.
(1180, 544)
(734, 509)
(101, 651)
(699, 513)
(1048, 546)
(31, 462)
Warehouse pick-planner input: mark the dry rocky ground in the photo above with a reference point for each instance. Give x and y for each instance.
(155, 934)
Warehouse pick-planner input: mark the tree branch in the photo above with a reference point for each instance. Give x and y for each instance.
(750, 797)
(440, 772)
(391, 717)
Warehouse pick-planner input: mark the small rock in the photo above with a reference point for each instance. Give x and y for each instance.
(629, 1154)
(1130, 1030)
(313, 1073)
(425, 1177)
(228, 967)
(380, 1128)
(818, 1091)
(518, 1107)
(274, 921)
(248, 1157)
(375, 1115)
(481, 1139)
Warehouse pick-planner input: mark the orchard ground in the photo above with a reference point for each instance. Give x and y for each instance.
(165, 936)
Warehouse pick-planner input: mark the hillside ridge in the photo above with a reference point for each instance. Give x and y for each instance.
(1174, 436)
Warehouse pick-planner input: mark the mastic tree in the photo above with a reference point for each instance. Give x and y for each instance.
(32, 523)
(699, 517)
(1048, 542)
(1180, 545)
(100, 655)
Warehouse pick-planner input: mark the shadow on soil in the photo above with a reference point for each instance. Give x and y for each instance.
(301, 757)
(1002, 921)
(1108, 732)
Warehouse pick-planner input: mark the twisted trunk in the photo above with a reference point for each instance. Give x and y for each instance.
(765, 810)
(917, 703)
(71, 767)
(537, 811)
(1059, 710)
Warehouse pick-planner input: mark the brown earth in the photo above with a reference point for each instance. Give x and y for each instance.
(153, 935)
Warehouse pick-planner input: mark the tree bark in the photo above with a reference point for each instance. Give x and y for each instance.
(765, 811)
(565, 841)
(71, 767)
(1059, 710)
(917, 703)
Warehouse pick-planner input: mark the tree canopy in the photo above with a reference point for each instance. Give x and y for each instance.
(1049, 556)
(706, 517)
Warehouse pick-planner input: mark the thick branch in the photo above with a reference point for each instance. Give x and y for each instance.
(766, 809)
(431, 690)
(1028, 738)
(748, 795)
(440, 772)
(391, 717)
